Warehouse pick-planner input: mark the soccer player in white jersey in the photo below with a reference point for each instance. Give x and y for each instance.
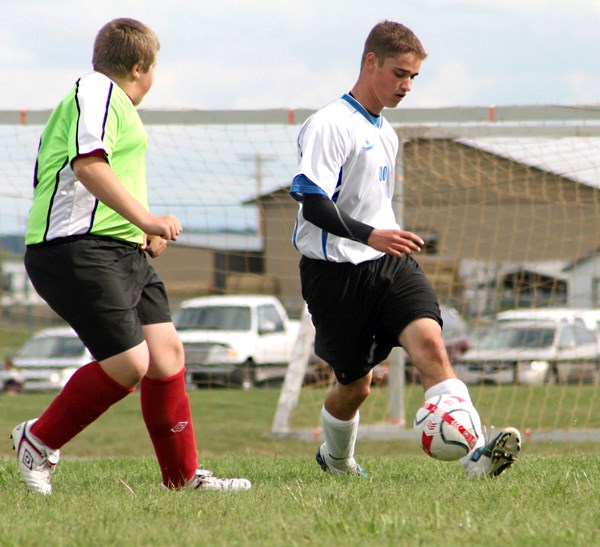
(364, 290)
(88, 236)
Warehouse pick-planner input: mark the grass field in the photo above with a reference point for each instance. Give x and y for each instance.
(106, 488)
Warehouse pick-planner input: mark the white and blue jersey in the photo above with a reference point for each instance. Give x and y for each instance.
(348, 155)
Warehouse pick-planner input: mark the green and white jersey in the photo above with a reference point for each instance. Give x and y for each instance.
(96, 115)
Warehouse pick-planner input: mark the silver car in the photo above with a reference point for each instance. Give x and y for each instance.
(535, 351)
(49, 358)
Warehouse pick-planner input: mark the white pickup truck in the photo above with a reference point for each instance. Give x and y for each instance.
(240, 340)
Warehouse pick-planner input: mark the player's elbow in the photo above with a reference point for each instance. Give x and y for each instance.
(313, 207)
(308, 214)
(84, 166)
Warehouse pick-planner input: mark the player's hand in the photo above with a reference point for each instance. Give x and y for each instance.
(154, 245)
(168, 227)
(395, 242)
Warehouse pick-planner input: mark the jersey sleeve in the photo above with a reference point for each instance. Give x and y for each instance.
(302, 185)
(93, 129)
(323, 213)
(322, 150)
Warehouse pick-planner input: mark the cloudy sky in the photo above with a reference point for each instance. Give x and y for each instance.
(247, 54)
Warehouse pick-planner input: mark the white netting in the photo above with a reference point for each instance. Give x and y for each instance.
(509, 204)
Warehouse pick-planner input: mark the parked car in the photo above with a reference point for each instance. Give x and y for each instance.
(590, 316)
(49, 358)
(533, 351)
(237, 340)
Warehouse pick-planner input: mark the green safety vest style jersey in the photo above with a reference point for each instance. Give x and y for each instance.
(96, 115)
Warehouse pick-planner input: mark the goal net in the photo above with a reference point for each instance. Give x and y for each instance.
(507, 200)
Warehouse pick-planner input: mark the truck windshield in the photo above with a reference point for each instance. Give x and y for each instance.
(213, 318)
(52, 346)
(518, 337)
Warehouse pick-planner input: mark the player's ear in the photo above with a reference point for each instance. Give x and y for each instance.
(371, 60)
(136, 70)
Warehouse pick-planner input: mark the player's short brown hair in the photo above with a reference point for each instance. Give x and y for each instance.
(388, 39)
(121, 44)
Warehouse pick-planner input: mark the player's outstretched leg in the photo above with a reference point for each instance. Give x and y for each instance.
(35, 460)
(499, 452)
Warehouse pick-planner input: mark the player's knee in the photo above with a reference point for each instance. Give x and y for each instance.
(431, 358)
(179, 353)
(434, 348)
(126, 369)
(137, 370)
(171, 356)
(357, 392)
(429, 345)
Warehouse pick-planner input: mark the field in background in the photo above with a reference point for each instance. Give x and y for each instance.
(550, 497)
(12, 338)
(236, 422)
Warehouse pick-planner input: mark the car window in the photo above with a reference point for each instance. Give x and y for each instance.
(269, 319)
(583, 335)
(236, 318)
(52, 346)
(567, 336)
(516, 336)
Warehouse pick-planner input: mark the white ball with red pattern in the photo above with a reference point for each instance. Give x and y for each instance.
(445, 427)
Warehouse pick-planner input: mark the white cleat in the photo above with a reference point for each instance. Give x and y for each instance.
(204, 480)
(338, 467)
(497, 455)
(35, 460)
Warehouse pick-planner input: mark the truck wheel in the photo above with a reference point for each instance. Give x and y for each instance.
(551, 377)
(244, 375)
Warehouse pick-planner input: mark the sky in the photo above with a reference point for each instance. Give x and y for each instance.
(257, 54)
(263, 54)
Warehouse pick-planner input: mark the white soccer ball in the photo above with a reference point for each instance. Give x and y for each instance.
(445, 428)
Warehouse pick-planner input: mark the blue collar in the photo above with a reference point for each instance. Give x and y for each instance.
(377, 121)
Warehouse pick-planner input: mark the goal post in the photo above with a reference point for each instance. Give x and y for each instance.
(294, 377)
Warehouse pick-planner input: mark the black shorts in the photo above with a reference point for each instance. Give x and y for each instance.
(360, 310)
(104, 288)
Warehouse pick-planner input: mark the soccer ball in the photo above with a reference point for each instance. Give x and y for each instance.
(445, 427)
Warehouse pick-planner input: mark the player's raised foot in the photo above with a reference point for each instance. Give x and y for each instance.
(497, 455)
(204, 480)
(35, 460)
(338, 466)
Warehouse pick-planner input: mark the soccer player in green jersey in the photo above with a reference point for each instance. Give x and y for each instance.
(88, 236)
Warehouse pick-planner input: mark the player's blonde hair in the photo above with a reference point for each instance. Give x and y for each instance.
(121, 44)
(388, 39)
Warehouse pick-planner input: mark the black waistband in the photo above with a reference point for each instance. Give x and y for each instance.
(93, 237)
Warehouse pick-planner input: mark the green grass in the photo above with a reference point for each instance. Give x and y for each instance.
(12, 338)
(106, 487)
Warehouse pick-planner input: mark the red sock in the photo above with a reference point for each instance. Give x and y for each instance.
(87, 395)
(168, 417)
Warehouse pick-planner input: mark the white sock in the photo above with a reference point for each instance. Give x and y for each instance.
(451, 386)
(454, 386)
(340, 435)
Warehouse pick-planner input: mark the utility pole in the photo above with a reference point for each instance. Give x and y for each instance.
(259, 162)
